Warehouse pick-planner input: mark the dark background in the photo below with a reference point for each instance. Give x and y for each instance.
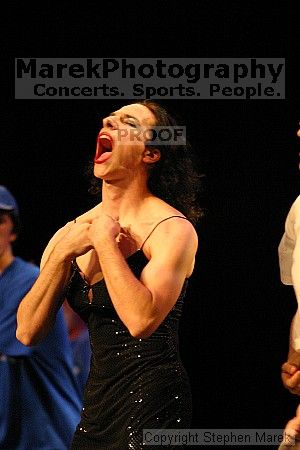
(234, 334)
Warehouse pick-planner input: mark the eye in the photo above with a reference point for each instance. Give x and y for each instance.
(131, 123)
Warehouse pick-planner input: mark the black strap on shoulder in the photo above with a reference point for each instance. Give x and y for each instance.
(181, 217)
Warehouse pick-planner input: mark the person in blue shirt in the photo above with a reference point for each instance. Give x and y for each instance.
(40, 402)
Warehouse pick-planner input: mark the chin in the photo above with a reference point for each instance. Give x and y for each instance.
(97, 171)
(101, 173)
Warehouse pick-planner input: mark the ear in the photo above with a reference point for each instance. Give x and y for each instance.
(151, 155)
(13, 237)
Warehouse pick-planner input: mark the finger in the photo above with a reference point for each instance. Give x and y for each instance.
(295, 391)
(82, 220)
(69, 224)
(288, 368)
(293, 381)
(288, 381)
(294, 424)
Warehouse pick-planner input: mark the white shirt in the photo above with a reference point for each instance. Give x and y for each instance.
(289, 262)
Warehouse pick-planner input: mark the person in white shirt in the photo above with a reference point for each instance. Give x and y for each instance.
(289, 261)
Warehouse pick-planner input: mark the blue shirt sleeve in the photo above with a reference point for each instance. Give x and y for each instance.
(15, 282)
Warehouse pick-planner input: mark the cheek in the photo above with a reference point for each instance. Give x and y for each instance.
(130, 153)
(132, 137)
(132, 157)
(6, 237)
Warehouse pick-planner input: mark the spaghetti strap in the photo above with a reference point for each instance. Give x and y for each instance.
(170, 217)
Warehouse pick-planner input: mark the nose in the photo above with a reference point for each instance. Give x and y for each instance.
(298, 132)
(110, 122)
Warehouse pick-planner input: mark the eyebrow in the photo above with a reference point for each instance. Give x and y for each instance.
(127, 116)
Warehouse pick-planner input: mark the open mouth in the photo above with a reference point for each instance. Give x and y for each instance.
(103, 149)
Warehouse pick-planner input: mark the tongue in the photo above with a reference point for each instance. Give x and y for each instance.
(103, 157)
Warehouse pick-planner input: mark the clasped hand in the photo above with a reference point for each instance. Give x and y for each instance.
(102, 229)
(290, 375)
(83, 235)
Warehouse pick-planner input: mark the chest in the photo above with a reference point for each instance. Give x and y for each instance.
(89, 265)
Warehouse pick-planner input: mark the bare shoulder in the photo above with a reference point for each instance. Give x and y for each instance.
(170, 217)
(58, 235)
(53, 241)
(173, 243)
(168, 225)
(177, 228)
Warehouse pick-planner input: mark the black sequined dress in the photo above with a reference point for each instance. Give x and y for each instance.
(134, 384)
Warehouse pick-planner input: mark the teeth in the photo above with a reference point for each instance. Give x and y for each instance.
(106, 142)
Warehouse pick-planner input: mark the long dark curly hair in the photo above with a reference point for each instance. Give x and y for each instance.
(175, 178)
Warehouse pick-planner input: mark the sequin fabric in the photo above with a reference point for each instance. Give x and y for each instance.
(133, 383)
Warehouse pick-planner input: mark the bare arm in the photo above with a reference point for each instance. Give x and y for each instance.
(291, 433)
(37, 311)
(291, 369)
(143, 304)
(295, 272)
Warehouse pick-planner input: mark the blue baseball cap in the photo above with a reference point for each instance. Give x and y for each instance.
(7, 201)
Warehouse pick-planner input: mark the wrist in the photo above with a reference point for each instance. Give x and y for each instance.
(106, 246)
(61, 256)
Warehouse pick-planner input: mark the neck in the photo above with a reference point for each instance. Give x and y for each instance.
(6, 258)
(122, 199)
